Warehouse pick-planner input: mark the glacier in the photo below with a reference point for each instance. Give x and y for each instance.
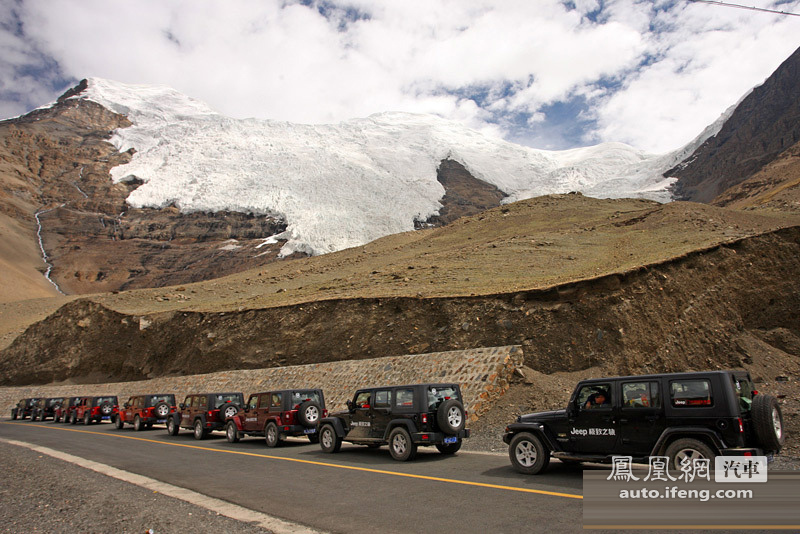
(343, 185)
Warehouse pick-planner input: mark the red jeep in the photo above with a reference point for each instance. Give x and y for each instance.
(95, 409)
(204, 412)
(142, 411)
(63, 412)
(277, 414)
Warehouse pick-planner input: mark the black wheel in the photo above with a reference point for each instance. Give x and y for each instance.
(313, 438)
(328, 440)
(173, 427)
(118, 422)
(56, 418)
(401, 446)
(33, 417)
(200, 431)
(106, 408)
(271, 435)
(14, 414)
(449, 448)
(528, 454)
(137, 423)
(74, 419)
(227, 411)
(689, 449)
(450, 416)
(87, 419)
(308, 413)
(231, 432)
(162, 410)
(768, 422)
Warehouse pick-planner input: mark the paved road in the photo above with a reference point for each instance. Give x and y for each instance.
(357, 489)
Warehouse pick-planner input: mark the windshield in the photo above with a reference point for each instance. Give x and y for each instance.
(232, 398)
(299, 397)
(438, 394)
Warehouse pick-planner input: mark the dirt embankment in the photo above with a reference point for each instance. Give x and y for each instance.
(708, 309)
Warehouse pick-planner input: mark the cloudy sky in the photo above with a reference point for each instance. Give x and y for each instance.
(544, 73)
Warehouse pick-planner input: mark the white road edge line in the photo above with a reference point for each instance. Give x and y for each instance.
(279, 526)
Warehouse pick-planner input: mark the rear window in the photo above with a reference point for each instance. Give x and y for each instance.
(299, 397)
(219, 400)
(690, 393)
(152, 400)
(743, 389)
(100, 400)
(439, 394)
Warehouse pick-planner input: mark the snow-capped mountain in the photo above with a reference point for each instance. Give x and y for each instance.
(341, 185)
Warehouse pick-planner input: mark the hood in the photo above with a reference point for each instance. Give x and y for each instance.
(541, 416)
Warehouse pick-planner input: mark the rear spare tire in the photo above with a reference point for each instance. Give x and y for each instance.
(450, 417)
(768, 422)
(308, 413)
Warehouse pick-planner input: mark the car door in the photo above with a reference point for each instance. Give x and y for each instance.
(593, 421)
(641, 420)
(186, 412)
(361, 419)
(380, 413)
(250, 417)
(264, 405)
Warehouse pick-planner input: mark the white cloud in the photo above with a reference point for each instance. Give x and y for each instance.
(285, 61)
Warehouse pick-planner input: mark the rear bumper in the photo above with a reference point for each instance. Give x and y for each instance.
(433, 438)
(296, 430)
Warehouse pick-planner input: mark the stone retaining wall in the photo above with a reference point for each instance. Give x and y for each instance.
(483, 373)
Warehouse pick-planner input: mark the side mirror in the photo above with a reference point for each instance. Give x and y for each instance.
(350, 406)
(126, 405)
(572, 409)
(182, 406)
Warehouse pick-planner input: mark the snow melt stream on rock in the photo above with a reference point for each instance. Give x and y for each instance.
(341, 185)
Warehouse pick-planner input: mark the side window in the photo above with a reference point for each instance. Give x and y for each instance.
(403, 398)
(275, 401)
(253, 402)
(690, 393)
(362, 399)
(200, 401)
(640, 395)
(595, 396)
(382, 398)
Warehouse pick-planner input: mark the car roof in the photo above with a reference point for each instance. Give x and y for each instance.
(425, 384)
(285, 391)
(688, 374)
(216, 393)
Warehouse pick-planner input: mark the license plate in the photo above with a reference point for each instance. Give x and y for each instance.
(770, 458)
(106, 417)
(309, 431)
(161, 421)
(451, 439)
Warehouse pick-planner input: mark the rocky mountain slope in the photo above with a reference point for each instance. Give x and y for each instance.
(764, 125)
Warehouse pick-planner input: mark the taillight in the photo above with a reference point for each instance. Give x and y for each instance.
(741, 425)
(748, 453)
(755, 392)
(424, 419)
(425, 437)
(324, 413)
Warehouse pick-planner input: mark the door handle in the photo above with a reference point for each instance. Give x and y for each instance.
(623, 420)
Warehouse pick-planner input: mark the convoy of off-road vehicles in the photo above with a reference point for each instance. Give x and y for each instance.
(680, 416)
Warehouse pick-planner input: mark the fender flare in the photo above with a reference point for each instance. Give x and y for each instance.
(712, 437)
(335, 422)
(536, 429)
(408, 424)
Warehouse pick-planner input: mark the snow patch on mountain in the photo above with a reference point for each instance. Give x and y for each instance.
(341, 185)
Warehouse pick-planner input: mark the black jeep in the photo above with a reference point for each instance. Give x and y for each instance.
(680, 416)
(204, 412)
(403, 417)
(45, 408)
(24, 408)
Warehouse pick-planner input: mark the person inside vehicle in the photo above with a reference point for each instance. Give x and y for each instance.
(597, 399)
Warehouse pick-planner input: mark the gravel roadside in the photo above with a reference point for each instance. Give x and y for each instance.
(39, 493)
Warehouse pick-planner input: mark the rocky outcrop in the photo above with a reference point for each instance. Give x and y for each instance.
(764, 125)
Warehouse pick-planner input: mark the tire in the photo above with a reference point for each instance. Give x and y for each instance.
(137, 423)
(119, 423)
(768, 422)
(449, 448)
(200, 431)
(228, 411)
(528, 454)
(400, 445)
(56, 418)
(106, 409)
(161, 410)
(450, 417)
(33, 417)
(313, 438)
(687, 448)
(271, 435)
(231, 432)
(173, 428)
(14, 414)
(309, 413)
(87, 420)
(328, 440)
(74, 419)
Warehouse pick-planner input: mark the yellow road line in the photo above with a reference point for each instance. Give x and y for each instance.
(311, 462)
